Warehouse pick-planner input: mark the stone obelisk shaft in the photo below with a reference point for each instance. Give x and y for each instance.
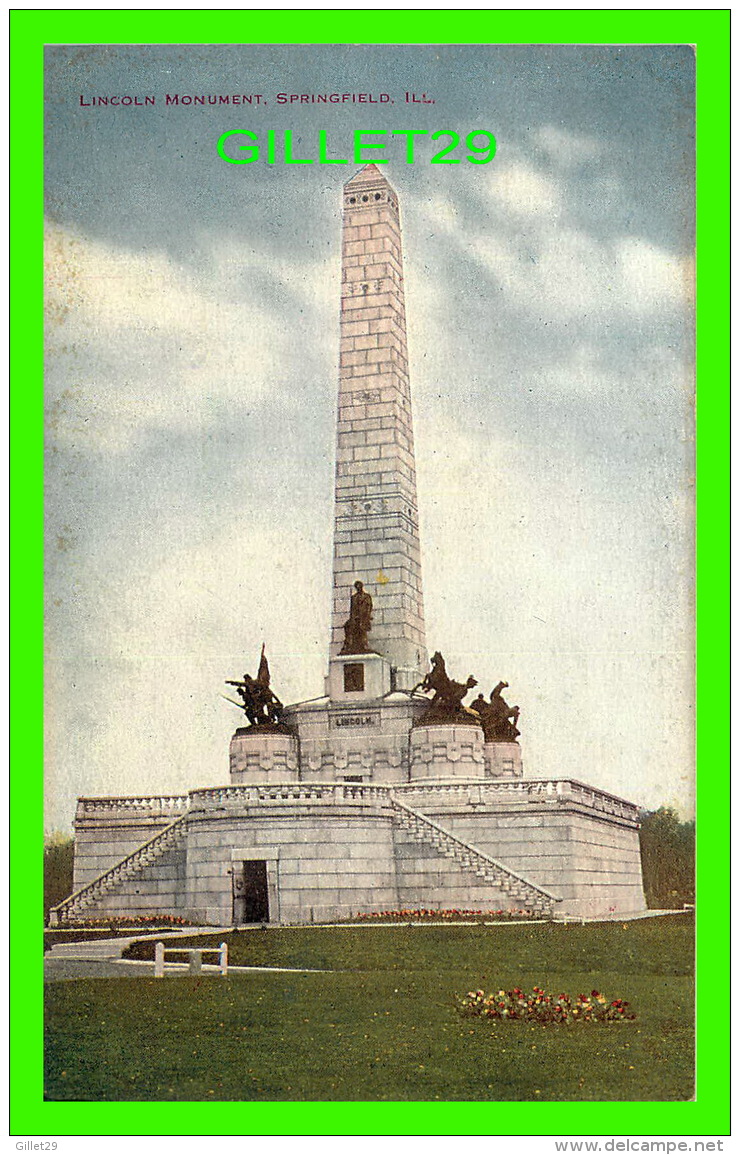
(376, 534)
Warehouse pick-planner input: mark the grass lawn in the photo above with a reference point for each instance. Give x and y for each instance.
(383, 1025)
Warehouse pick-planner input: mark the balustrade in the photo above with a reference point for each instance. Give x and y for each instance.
(155, 804)
(251, 794)
(330, 793)
(529, 788)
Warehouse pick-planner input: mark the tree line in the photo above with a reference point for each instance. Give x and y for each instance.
(668, 851)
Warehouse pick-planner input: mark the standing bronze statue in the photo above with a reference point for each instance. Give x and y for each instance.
(260, 705)
(498, 717)
(359, 623)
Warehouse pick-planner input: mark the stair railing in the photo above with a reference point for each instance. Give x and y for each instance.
(118, 869)
(422, 821)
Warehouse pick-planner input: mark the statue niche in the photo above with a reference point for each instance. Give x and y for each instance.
(359, 623)
(498, 717)
(445, 707)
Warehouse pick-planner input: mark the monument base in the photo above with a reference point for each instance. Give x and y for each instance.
(262, 754)
(449, 751)
(503, 760)
(358, 677)
(333, 849)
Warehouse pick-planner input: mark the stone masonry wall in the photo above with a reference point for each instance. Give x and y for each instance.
(369, 740)
(327, 868)
(428, 880)
(101, 843)
(593, 864)
(376, 534)
(155, 889)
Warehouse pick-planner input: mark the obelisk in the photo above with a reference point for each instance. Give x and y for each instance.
(376, 527)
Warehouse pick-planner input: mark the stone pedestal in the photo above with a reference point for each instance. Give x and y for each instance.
(503, 760)
(358, 677)
(261, 755)
(446, 752)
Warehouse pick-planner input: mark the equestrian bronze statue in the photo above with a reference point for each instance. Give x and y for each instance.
(446, 706)
(498, 717)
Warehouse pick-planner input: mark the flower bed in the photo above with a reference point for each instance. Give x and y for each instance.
(453, 915)
(540, 1007)
(146, 922)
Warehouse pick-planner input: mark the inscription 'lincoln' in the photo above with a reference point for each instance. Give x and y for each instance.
(357, 720)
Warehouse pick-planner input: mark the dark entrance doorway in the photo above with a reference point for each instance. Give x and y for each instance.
(251, 902)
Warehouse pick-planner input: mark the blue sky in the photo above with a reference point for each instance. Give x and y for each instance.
(192, 347)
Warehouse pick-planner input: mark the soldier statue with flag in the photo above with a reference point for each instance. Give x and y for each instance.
(260, 705)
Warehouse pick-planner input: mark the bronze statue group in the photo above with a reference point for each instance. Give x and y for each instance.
(260, 705)
(498, 718)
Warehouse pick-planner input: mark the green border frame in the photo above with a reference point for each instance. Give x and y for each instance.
(709, 32)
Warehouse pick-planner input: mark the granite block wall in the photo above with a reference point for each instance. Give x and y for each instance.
(428, 880)
(100, 844)
(326, 868)
(592, 863)
(155, 889)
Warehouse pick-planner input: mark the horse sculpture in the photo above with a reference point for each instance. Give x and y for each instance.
(500, 720)
(448, 694)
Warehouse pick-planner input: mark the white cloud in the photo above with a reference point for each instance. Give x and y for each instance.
(568, 272)
(524, 192)
(112, 289)
(137, 343)
(536, 575)
(651, 278)
(233, 261)
(567, 148)
(547, 264)
(440, 213)
(587, 373)
(140, 688)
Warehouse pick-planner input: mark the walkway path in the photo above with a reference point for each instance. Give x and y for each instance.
(59, 970)
(102, 958)
(105, 949)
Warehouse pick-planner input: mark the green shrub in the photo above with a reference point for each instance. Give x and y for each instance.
(667, 848)
(58, 869)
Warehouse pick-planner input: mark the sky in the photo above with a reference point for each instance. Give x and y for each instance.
(191, 375)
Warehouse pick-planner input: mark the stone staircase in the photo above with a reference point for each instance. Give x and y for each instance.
(84, 900)
(430, 833)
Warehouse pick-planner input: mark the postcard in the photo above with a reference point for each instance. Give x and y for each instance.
(370, 582)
